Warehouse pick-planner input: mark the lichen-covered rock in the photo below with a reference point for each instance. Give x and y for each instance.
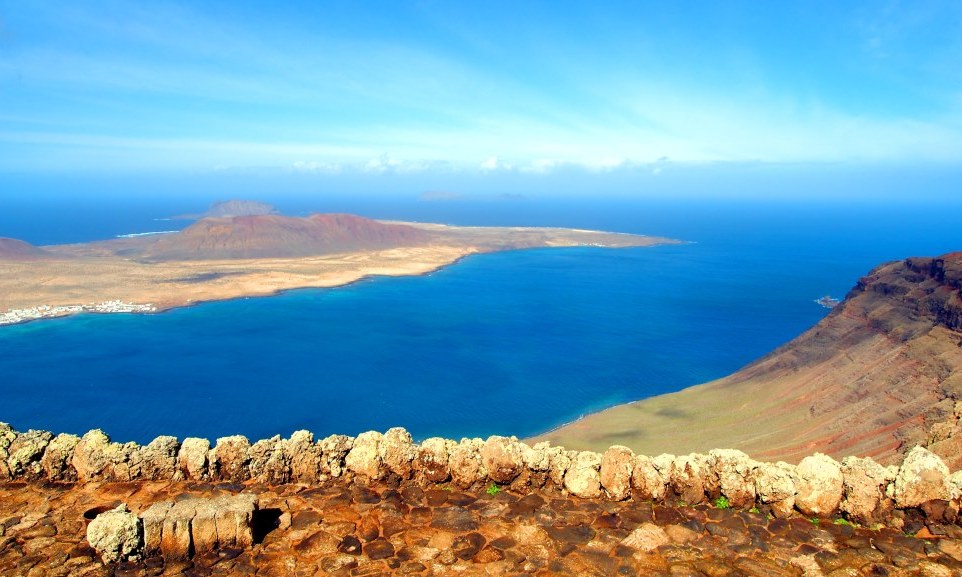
(544, 463)
(955, 485)
(688, 474)
(583, 478)
(431, 462)
(90, 458)
(922, 477)
(192, 459)
(864, 482)
(732, 475)
(775, 486)
(397, 452)
(269, 461)
(819, 485)
(646, 479)
(124, 461)
(56, 458)
(229, 459)
(115, 535)
(7, 435)
(305, 457)
(25, 452)
(334, 450)
(560, 463)
(615, 473)
(464, 459)
(502, 458)
(159, 459)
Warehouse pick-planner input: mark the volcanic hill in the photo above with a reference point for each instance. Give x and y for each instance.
(13, 249)
(273, 236)
(880, 374)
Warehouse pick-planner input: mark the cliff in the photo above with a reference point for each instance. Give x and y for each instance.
(879, 374)
(274, 236)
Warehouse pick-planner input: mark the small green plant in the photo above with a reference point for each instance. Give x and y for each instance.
(493, 489)
(754, 510)
(844, 521)
(722, 502)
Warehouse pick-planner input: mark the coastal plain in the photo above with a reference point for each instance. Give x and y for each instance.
(235, 257)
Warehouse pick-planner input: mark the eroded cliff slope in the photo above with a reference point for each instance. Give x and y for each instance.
(879, 375)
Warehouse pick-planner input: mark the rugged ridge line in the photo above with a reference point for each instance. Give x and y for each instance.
(818, 486)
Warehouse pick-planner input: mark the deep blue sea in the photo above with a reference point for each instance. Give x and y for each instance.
(513, 343)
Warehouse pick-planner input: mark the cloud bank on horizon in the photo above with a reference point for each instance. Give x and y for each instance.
(390, 87)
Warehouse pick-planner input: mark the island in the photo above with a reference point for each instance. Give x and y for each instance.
(226, 257)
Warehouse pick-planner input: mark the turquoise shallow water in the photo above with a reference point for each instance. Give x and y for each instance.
(508, 343)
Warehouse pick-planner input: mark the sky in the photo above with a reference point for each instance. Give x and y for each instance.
(444, 88)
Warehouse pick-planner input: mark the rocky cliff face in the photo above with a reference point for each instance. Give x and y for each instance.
(270, 236)
(881, 373)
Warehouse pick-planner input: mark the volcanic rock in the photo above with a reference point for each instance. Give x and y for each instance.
(819, 484)
(922, 477)
(115, 535)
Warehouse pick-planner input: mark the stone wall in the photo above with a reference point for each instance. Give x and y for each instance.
(857, 488)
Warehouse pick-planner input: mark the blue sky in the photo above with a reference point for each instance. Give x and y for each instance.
(442, 87)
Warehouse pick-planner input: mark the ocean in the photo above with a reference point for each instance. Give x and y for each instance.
(513, 343)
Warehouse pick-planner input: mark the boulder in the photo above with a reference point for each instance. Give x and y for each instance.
(192, 459)
(124, 461)
(25, 453)
(922, 477)
(502, 458)
(269, 461)
(646, 479)
(90, 458)
(464, 460)
(775, 485)
(56, 460)
(688, 474)
(583, 478)
(229, 459)
(542, 463)
(819, 485)
(431, 462)
(364, 458)
(159, 459)
(115, 535)
(397, 452)
(864, 482)
(334, 450)
(615, 473)
(732, 475)
(305, 457)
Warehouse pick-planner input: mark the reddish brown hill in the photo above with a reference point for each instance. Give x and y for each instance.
(13, 249)
(880, 374)
(270, 236)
